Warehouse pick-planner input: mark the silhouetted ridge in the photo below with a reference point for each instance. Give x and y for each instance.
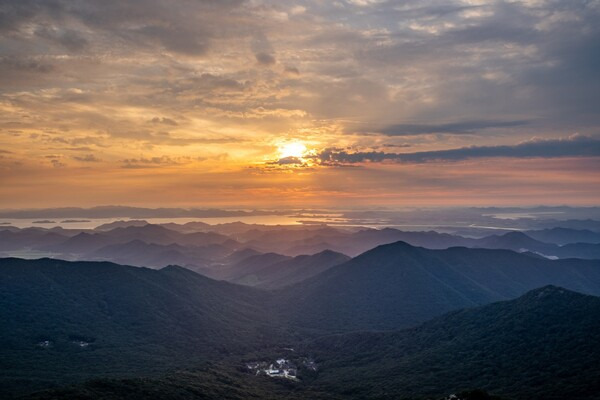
(398, 285)
(548, 291)
(131, 320)
(543, 345)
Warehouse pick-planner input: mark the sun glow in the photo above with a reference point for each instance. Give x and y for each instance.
(292, 149)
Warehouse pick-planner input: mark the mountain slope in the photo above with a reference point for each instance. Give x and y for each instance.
(81, 243)
(543, 345)
(246, 266)
(355, 243)
(140, 253)
(517, 241)
(213, 382)
(580, 250)
(291, 271)
(30, 237)
(398, 285)
(562, 236)
(70, 320)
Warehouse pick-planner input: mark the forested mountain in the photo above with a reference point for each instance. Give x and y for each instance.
(69, 321)
(222, 254)
(290, 271)
(542, 346)
(397, 285)
(65, 321)
(562, 236)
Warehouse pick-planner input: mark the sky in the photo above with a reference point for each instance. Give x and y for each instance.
(349, 103)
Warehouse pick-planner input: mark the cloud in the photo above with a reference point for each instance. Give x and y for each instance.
(70, 39)
(163, 120)
(454, 128)
(153, 162)
(174, 39)
(265, 59)
(289, 161)
(149, 162)
(57, 163)
(87, 158)
(291, 70)
(25, 64)
(263, 49)
(572, 146)
(151, 77)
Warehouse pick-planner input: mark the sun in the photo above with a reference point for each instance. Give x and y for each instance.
(292, 149)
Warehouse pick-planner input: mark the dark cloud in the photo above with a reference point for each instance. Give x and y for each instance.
(87, 158)
(149, 162)
(15, 13)
(152, 162)
(25, 64)
(455, 128)
(214, 82)
(289, 69)
(175, 39)
(265, 59)
(57, 163)
(179, 26)
(71, 39)
(163, 120)
(391, 145)
(81, 148)
(497, 59)
(289, 161)
(573, 146)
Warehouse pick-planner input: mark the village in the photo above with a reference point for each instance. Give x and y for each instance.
(48, 343)
(281, 368)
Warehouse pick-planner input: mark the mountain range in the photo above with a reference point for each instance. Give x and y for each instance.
(398, 285)
(220, 254)
(62, 321)
(541, 346)
(386, 323)
(285, 272)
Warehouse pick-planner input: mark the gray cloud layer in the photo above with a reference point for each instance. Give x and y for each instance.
(126, 76)
(574, 146)
(462, 127)
(427, 61)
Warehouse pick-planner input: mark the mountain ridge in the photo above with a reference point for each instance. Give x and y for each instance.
(413, 284)
(540, 346)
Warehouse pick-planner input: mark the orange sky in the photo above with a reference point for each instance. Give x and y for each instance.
(267, 104)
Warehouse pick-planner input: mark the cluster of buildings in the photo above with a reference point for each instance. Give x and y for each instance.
(48, 343)
(280, 368)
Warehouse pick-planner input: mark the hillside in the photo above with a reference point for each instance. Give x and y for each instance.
(141, 253)
(543, 345)
(212, 382)
(397, 285)
(65, 321)
(562, 236)
(246, 266)
(290, 271)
